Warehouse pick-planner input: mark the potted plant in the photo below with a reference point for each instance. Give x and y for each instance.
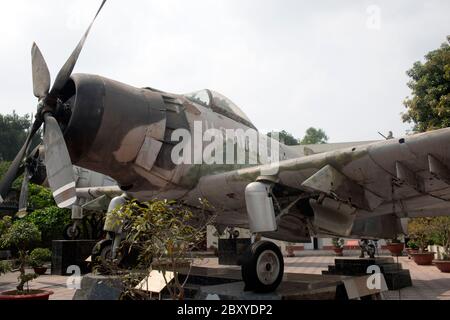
(420, 230)
(164, 234)
(338, 246)
(38, 258)
(412, 248)
(290, 249)
(21, 235)
(395, 247)
(441, 227)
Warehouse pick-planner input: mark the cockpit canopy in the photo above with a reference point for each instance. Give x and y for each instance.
(220, 104)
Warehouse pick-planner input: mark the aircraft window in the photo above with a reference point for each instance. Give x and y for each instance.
(226, 104)
(200, 97)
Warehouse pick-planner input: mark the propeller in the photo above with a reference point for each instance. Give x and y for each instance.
(57, 160)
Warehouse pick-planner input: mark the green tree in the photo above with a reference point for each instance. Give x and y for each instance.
(164, 233)
(50, 219)
(22, 235)
(429, 106)
(13, 132)
(4, 165)
(421, 230)
(285, 137)
(314, 136)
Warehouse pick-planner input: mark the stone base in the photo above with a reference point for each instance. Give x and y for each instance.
(396, 277)
(98, 287)
(231, 249)
(226, 284)
(286, 291)
(67, 253)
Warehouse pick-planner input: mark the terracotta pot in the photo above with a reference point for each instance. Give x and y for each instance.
(443, 265)
(290, 251)
(396, 249)
(32, 295)
(409, 251)
(40, 270)
(423, 259)
(338, 251)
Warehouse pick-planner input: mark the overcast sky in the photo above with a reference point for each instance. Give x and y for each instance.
(337, 65)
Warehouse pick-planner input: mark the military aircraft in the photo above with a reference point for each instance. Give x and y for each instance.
(126, 133)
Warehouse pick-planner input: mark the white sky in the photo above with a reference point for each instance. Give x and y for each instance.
(288, 64)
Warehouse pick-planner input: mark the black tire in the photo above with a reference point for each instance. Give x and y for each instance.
(253, 278)
(100, 251)
(71, 233)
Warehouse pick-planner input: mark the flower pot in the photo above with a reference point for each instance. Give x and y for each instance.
(32, 295)
(443, 265)
(409, 251)
(338, 251)
(40, 270)
(290, 251)
(396, 249)
(423, 259)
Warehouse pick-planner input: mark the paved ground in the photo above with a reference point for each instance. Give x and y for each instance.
(57, 284)
(428, 282)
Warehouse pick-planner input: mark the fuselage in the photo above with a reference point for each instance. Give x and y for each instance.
(127, 133)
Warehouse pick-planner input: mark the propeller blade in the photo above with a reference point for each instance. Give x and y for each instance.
(13, 170)
(41, 75)
(23, 199)
(66, 71)
(58, 164)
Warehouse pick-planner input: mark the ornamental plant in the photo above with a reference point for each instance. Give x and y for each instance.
(164, 233)
(420, 230)
(338, 242)
(39, 256)
(441, 229)
(412, 245)
(21, 235)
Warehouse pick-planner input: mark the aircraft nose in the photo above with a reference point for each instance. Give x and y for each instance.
(110, 122)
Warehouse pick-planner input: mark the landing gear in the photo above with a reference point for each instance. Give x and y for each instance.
(72, 232)
(102, 251)
(367, 247)
(262, 267)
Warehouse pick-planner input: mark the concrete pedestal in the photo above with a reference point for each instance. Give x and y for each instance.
(99, 287)
(231, 249)
(67, 253)
(396, 277)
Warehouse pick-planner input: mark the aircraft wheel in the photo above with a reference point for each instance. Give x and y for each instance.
(102, 251)
(72, 232)
(262, 267)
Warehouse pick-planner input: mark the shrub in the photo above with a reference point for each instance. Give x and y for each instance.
(39, 256)
(164, 233)
(40, 197)
(412, 244)
(441, 233)
(420, 230)
(338, 242)
(5, 223)
(51, 222)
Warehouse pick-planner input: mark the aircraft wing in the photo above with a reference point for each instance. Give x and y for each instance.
(363, 191)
